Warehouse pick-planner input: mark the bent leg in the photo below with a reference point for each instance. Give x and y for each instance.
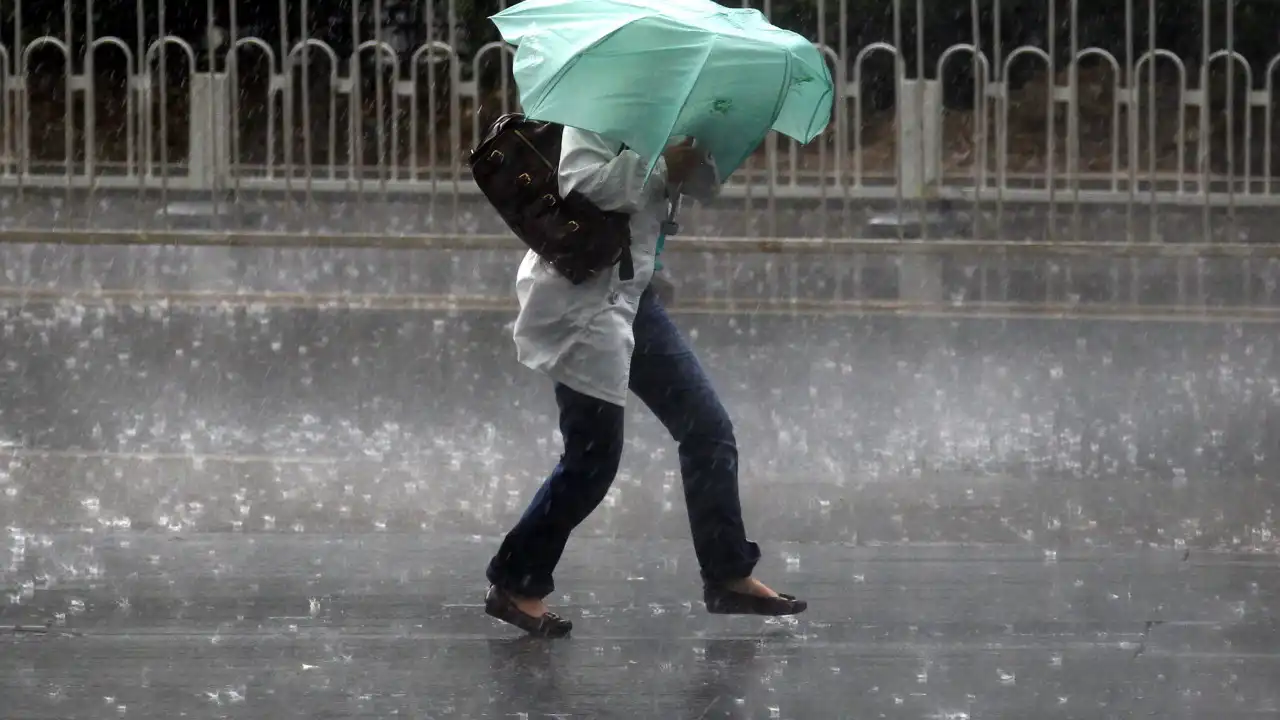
(667, 377)
(593, 436)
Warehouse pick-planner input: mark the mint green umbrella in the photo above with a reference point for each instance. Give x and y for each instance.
(643, 72)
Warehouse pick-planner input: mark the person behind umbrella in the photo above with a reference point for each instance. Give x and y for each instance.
(596, 341)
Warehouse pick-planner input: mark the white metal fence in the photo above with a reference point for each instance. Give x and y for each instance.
(235, 111)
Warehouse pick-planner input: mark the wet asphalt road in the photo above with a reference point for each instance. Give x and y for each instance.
(251, 626)
(284, 512)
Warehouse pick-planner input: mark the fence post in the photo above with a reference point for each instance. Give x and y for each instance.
(919, 172)
(209, 152)
(919, 137)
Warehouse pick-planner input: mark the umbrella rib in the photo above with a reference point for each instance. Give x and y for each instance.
(688, 91)
(554, 80)
(814, 118)
(777, 105)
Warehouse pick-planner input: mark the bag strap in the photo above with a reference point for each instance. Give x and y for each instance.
(627, 266)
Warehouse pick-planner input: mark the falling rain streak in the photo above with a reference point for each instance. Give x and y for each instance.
(999, 348)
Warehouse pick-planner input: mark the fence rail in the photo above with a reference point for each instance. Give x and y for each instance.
(311, 116)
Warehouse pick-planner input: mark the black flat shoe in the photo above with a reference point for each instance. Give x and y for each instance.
(721, 601)
(498, 604)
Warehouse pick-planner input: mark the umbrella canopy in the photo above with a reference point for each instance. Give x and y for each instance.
(644, 72)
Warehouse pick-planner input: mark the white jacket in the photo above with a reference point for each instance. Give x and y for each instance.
(581, 335)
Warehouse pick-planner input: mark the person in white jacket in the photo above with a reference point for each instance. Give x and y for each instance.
(596, 341)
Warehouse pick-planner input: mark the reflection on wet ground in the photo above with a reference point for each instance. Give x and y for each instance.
(228, 625)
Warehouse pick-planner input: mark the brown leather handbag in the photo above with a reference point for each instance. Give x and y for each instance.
(517, 168)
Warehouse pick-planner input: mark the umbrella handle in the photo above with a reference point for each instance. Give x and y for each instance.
(671, 227)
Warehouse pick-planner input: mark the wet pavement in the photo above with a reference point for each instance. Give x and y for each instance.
(284, 511)
(853, 429)
(225, 626)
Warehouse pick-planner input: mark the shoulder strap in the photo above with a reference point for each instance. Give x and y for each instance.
(627, 269)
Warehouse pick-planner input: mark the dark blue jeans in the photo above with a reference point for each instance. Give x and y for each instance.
(666, 376)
